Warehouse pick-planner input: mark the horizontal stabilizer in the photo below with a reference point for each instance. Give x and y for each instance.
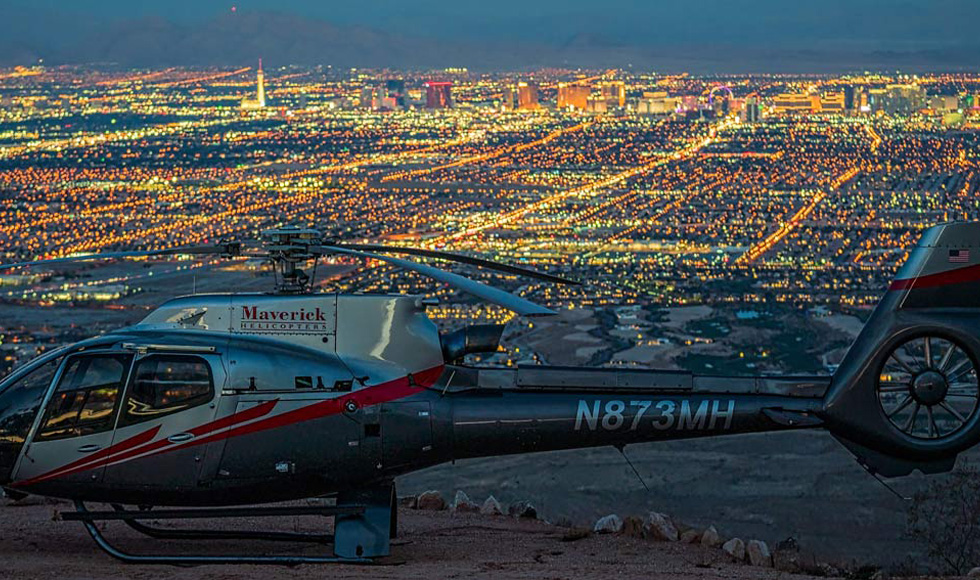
(887, 466)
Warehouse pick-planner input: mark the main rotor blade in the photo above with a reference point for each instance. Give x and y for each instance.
(451, 257)
(488, 293)
(229, 249)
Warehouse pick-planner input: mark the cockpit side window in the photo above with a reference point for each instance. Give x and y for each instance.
(21, 401)
(165, 384)
(85, 401)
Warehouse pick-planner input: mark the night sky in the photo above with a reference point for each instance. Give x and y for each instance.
(898, 23)
(710, 35)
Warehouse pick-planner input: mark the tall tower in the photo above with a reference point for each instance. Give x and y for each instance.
(438, 95)
(260, 95)
(527, 96)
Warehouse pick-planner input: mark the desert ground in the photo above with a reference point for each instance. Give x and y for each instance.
(800, 485)
(431, 545)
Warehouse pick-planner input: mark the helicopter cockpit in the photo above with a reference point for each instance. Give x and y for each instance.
(21, 394)
(72, 406)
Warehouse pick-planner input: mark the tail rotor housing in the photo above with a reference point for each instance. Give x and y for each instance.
(907, 395)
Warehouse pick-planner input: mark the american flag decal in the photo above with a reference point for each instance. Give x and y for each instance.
(959, 256)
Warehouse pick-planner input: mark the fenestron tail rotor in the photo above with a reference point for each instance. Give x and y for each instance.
(928, 388)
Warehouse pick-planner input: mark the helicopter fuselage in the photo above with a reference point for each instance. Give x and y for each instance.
(241, 398)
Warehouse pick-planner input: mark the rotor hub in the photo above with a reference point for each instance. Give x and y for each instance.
(930, 387)
(287, 248)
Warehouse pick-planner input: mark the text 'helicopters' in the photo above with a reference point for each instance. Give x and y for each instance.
(234, 399)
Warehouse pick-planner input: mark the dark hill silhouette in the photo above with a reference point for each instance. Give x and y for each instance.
(234, 38)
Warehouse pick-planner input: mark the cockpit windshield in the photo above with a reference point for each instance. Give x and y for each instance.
(20, 400)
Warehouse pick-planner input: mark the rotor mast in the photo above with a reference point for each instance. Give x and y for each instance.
(287, 248)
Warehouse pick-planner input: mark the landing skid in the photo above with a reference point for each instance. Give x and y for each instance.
(175, 534)
(364, 525)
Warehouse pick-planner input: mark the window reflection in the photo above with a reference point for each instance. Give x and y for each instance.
(165, 384)
(85, 400)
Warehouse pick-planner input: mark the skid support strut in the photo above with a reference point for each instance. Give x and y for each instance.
(364, 521)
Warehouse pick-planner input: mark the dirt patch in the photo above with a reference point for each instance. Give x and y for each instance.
(430, 545)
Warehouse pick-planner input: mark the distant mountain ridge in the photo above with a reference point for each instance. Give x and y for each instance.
(241, 37)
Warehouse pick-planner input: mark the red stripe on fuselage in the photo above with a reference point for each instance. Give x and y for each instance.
(381, 393)
(957, 276)
(89, 461)
(140, 444)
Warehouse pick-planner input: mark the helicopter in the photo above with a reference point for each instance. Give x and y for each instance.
(216, 403)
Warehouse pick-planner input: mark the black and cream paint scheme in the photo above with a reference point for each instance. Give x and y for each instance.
(218, 401)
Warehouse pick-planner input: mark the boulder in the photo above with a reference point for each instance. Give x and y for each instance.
(659, 527)
(431, 500)
(523, 509)
(576, 534)
(787, 557)
(680, 526)
(690, 536)
(611, 524)
(825, 569)
(974, 573)
(787, 561)
(462, 504)
(735, 548)
(789, 544)
(491, 507)
(711, 538)
(633, 527)
(758, 553)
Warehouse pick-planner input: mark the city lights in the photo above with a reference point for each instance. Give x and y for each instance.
(651, 189)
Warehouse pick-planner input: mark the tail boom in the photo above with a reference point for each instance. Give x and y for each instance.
(500, 412)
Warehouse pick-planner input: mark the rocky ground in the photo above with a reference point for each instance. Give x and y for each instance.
(433, 543)
(773, 487)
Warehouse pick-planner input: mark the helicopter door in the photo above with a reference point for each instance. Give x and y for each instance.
(77, 423)
(406, 432)
(169, 395)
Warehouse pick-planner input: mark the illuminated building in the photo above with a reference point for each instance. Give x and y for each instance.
(395, 96)
(527, 96)
(508, 99)
(657, 103)
(898, 99)
(573, 96)
(877, 99)
(804, 103)
(850, 102)
(259, 101)
(614, 93)
(833, 103)
(944, 103)
(368, 100)
(863, 98)
(689, 102)
(438, 95)
(596, 104)
(753, 113)
(794, 103)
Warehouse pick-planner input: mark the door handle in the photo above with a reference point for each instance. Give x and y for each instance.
(180, 437)
(89, 448)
